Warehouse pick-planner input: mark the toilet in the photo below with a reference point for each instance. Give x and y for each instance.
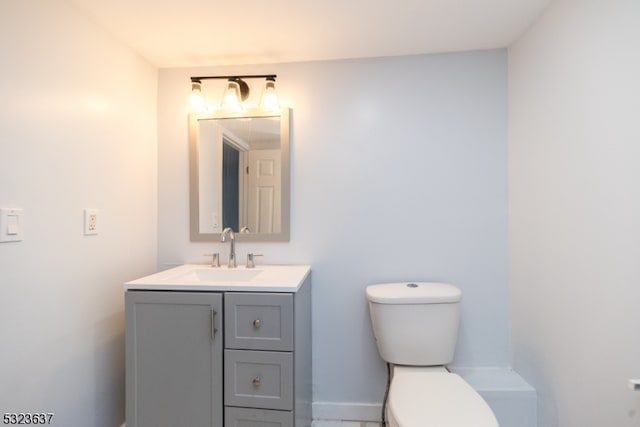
(416, 328)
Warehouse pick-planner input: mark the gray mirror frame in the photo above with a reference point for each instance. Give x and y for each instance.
(194, 193)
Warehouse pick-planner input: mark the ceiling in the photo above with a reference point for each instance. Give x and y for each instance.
(185, 33)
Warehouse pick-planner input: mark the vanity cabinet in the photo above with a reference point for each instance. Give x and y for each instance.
(218, 358)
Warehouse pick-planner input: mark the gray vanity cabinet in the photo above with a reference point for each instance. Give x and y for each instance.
(173, 359)
(219, 358)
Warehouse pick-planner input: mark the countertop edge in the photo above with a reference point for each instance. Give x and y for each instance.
(140, 285)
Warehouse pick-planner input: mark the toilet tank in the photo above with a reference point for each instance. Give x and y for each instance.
(415, 323)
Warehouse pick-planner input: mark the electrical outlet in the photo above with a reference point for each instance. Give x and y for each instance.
(90, 222)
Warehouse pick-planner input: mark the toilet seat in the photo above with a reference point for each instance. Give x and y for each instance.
(433, 397)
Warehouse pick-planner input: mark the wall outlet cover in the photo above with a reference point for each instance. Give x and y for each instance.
(90, 222)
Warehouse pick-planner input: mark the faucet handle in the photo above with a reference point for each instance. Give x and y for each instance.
(251, 261)
(215, 259)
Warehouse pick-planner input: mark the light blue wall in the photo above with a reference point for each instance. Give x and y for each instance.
(399, 172)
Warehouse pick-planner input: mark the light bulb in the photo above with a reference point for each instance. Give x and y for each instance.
(196, 100)
(231, 97)
(270, 97)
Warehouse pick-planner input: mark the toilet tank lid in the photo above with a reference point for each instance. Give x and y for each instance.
(413, 293)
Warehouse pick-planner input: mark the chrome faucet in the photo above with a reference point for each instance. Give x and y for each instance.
(228, 233)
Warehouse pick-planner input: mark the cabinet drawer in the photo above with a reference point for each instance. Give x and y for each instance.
(258, 321)
(258, 379)
(246, 417)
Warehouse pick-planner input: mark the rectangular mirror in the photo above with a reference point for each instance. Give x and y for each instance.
(239, 175)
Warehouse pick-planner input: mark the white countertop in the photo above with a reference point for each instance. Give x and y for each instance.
(202, 277)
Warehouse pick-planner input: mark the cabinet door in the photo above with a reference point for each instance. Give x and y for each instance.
(173, 359)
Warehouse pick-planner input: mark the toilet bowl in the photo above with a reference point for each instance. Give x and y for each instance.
(434, 397)
(416, 327)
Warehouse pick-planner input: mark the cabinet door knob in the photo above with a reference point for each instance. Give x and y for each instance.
(256, 323)
(256, 381)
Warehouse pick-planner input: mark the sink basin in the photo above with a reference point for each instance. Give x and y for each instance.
(200, 277)
(222, 274)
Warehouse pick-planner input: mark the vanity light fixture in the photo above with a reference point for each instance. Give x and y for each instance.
(236, 92)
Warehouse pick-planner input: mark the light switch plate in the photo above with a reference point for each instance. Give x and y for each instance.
(10, 225)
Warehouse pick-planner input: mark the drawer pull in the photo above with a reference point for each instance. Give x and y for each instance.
(256, 323)
(256, 381)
